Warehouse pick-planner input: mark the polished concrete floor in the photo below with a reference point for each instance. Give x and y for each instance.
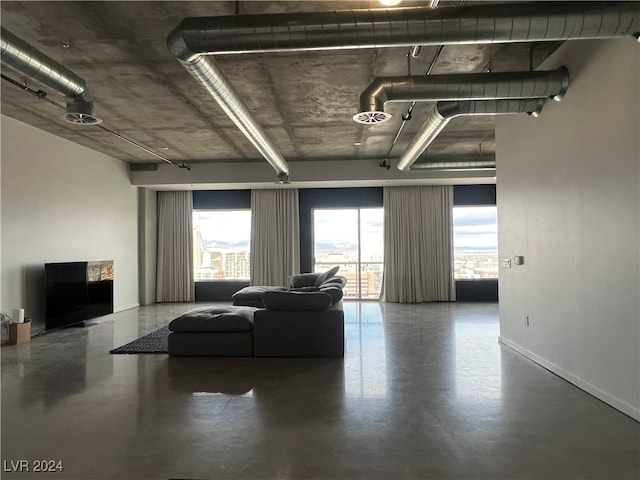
(424, 391)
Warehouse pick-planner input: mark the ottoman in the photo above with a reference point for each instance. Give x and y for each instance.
(213, 331)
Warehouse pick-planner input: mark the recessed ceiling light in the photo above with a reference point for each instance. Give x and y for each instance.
(390, 3)
(357, 144)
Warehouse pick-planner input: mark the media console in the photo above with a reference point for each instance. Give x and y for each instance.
(77, 291)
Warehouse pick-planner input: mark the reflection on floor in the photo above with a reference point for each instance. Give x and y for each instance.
(424, 391)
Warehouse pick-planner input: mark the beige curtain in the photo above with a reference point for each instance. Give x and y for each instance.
(174, 277)
(418, 244)
(275, 236)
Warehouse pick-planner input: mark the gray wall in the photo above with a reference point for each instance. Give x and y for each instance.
(62, 202)
(568, 190)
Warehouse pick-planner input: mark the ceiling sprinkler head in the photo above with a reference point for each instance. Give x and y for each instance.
(371, 118)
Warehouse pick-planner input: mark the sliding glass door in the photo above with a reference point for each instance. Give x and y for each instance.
(353, 239)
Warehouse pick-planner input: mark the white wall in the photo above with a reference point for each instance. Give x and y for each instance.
(62, 202)
(568, 188)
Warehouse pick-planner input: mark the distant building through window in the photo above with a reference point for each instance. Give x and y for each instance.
(221, 240)
(475, 242)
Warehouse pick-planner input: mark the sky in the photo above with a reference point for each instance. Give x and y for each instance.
(223, 225)
(336, 226)
(475, 227)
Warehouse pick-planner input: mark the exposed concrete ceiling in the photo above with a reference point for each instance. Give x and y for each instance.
(303, 101)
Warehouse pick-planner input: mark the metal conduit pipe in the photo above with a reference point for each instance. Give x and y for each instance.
(26, 59)
(474, 86)
(443, 112)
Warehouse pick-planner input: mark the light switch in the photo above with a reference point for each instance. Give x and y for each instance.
(506, 262)
(518, 260)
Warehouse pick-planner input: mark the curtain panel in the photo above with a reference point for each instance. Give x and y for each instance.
(175, 277)
(275, 236)
(418, 236)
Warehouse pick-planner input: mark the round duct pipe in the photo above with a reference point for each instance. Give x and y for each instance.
(400, 27)
(453, 87)
(443, 112)
(26, 59)
(404, 27)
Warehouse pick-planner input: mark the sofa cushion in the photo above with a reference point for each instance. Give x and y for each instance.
(335, 292)
(303, 280)
(252, 296)
(339, 282)
(323, 277)
(215, 319)
(305, 289)
(297, 301)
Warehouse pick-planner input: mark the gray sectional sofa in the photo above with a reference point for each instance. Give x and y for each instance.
(305, 319)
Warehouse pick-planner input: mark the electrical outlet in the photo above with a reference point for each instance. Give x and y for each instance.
(526, 320)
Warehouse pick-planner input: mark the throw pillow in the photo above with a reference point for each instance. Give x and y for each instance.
(323, 277)
(339, 282)
(303, 280)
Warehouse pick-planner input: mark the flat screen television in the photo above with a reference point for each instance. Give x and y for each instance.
(77, 291)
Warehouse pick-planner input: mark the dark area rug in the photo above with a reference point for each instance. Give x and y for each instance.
(154, 342)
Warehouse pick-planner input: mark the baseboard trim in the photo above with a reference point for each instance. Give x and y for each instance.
(122, 308)
(609, 399)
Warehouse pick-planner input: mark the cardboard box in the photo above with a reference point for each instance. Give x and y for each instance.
(19, 333)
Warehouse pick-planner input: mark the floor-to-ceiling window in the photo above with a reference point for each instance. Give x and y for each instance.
(353, 239)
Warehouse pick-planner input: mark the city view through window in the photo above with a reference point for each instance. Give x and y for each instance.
(353, 239)
(350, 238)
(221, 240)
(475, 242)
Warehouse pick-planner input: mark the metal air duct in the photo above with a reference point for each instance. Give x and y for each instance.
(443, 112)
(404, 27)
(393, 27)
(474, 86)
(207, 73)
(24, 58)
(456, 165)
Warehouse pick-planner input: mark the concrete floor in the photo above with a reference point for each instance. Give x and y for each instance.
(425, 391)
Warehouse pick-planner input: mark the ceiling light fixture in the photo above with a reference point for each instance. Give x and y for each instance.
(390, 3)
